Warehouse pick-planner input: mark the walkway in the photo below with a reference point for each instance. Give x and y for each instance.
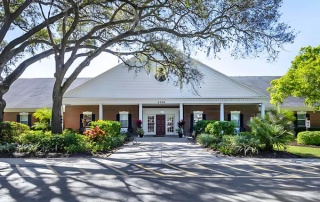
(161, 150)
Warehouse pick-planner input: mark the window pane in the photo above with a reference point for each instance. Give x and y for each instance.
(124, 123)
(236, 119)
(124, 120)
(197, 117)
(301, 116)
(87, 120)
(170, 125)
(150, 124)
(301, 122)
(24, 119)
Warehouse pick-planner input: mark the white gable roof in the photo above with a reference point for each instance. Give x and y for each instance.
(120, 83)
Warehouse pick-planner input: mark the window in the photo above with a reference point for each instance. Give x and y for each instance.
(301, 119)
(150, 124)
(160, 74)
(87, 118)
(197, 116)
(170, 124)
(235, 117)
(24, 118)
(124, 119)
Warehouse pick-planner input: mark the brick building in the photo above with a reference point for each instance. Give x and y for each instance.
(128, 96)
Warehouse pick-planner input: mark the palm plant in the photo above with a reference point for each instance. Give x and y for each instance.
(276, 128)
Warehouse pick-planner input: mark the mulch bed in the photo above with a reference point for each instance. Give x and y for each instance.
(57, 155)
(262, 154)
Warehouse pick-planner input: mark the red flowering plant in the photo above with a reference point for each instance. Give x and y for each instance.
(95, 134)
(139, 123)
(181, 123)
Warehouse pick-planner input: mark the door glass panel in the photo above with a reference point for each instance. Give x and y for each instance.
(151, 124)
(170, 124)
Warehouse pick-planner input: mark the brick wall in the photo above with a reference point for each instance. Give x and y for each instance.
(12, 116)
(314, 119)
(213, 112)
(72, 113)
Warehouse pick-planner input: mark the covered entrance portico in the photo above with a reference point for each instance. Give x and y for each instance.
(159, 118)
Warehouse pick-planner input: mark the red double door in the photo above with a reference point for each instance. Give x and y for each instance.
(161, 125)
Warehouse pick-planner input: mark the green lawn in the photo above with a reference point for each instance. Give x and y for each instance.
(303, 151)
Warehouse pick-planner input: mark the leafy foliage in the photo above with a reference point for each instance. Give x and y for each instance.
(43, 115)
(221, 128)
(41, 126)
(301, 80)
(11, 130)
(95, 134)
(110, 128)
(7, 147)
(309, 138)
(207, 139)
(274, 129)
(200, 126)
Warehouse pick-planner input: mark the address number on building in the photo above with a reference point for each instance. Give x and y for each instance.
(161, 102)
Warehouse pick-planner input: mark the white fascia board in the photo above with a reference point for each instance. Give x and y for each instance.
(20, 109)
(97, 101)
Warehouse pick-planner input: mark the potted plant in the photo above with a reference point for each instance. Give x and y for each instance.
(179, 130)
(139, 123)
(140, 132)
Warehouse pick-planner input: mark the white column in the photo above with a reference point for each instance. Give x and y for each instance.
(262, 110)
(181, 111)
(221, 112)
(140, 111)
(100, 111)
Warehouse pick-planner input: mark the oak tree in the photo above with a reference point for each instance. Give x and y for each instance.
(147, 28)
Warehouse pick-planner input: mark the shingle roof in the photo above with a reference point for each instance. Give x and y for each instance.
(34, 92)
(37, 92)
(261, 83)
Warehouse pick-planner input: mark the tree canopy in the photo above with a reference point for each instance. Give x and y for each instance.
(302, 79)
(149, 30)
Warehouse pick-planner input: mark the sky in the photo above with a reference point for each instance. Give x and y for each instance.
(302, 15)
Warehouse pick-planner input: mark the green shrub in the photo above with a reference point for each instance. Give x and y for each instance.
(227, 145)
(11, 130)
(207, 139)
(221, 128)
(245, 144)
(245, 133)
(200, 126)
(274, 129)
(111, 128)
(309, 138)
(108, 143)
(46, 142)
(43, 115)
(41, 126)
(7, 148)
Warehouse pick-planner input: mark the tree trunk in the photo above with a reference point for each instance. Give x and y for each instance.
(3, 89)
(2, 106)
(56, 125)
(269, 146)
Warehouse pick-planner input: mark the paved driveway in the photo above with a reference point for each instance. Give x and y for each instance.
(160, 169)
(160, 150)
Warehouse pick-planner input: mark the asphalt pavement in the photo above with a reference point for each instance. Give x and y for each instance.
(160, 170)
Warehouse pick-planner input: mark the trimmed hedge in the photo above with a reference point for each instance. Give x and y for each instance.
(11, 130)
(111, 128)
(309, 138)
(200, 126)
(221, 128)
